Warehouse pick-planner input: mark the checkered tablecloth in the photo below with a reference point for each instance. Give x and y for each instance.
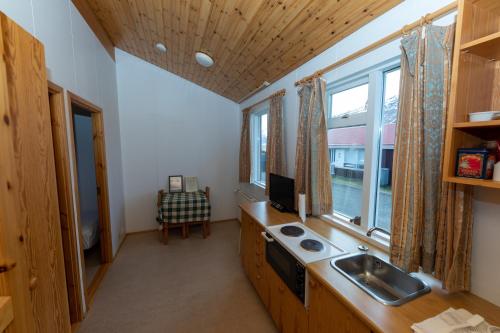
(184, 207)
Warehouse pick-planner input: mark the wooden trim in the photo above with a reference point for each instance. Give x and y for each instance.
(235, 219)
(141, 232)
(76, 191)
(96, 26)
(96, 282)
(102, 185)
(83, 103)
(281, 92)
(389, 38)
(120, 247)
(66, 204)
(6, 312)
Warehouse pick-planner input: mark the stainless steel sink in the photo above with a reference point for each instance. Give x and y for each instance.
(384, 282)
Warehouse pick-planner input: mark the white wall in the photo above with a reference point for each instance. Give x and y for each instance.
(170, 126)
(77, 61)
(486, 247)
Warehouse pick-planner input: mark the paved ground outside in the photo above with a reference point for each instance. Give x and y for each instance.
(347, 199)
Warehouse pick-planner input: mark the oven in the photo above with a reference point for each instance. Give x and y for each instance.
(291, 271)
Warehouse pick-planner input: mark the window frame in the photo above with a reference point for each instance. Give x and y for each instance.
(255, 143)
(374, 76)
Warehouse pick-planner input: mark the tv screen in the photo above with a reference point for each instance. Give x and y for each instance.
(281, 191)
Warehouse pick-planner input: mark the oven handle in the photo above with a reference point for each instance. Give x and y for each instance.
(268, 239)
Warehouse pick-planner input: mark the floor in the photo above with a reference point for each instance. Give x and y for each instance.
(92, 262)
(190, 285)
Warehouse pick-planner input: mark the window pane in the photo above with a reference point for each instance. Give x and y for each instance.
(262, 148)
(350, 101)
(388, 136)
(347, 152)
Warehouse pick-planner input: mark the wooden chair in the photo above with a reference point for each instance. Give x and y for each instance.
(205, 224)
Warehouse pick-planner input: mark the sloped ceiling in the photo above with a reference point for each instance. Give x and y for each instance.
(251, 41)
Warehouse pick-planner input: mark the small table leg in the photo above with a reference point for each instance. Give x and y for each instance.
(184, 230)
(165, 233)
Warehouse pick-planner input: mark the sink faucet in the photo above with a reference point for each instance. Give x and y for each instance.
(371, 230)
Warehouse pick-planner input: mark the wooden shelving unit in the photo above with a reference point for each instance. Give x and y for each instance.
(475, 84)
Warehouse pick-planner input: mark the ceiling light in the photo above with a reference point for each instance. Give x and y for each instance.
(204, 59)
(161, 47)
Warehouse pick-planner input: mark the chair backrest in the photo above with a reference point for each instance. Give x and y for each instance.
(158, 200)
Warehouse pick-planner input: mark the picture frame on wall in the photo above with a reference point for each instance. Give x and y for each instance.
(175, 184)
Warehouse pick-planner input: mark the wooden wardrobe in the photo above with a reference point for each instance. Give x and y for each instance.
(31, 258)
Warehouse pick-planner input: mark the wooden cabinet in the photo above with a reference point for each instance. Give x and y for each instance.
(253, 255)
(474, 83)
(31, 258)
(327, 314)
(288, 313)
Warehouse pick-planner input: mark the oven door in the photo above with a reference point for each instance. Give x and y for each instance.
(291, 271)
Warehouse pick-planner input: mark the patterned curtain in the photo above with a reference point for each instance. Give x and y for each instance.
(275, 148)
(312, 173)
(245, 148)
(431, 220)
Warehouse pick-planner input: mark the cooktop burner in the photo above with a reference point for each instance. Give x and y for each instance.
(311, 245)
(292, 231)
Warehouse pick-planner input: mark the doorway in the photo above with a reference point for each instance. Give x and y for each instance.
(91, 191)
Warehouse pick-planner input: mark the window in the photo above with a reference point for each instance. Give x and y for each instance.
(362, 113)
(259, 144)
(348, 109)
(386, 149)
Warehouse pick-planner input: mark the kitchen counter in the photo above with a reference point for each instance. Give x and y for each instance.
(378, 317)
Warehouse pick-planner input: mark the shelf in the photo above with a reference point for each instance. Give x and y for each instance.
(486, 47)
(476, 182)
(485, 130)
(477, 124)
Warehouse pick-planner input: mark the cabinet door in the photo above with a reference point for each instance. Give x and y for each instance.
(288, 313)
(276, 290)
(30, 232)
(293, 313)
(327, 314)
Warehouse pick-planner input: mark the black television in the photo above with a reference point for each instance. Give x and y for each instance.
(282, 192)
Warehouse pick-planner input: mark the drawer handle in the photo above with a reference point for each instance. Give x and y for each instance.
(268, 239)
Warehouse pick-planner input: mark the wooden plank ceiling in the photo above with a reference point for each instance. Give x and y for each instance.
(251, 41)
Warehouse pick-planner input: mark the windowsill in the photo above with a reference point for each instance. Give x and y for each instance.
(378, 240)
(262, 186)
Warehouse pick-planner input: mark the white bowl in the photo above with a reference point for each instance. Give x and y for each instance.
(484, 116)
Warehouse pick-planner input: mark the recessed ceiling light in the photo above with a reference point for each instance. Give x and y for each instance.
(204, 59)
(161, 47)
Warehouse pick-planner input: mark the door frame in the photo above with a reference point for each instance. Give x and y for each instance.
(69, 229)
(102, 185)
(100, 169)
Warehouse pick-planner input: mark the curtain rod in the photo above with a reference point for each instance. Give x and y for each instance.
(404, 30)
(281, 92)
